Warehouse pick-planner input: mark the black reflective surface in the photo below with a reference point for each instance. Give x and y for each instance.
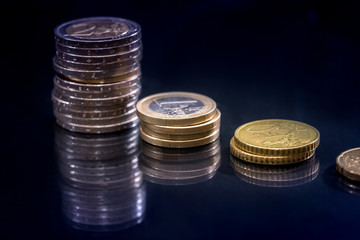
(285, 59)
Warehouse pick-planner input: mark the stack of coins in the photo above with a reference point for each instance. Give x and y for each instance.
(181, 166)
(178, 119)
(274, 142)
(277, 175)
(98, 74)
(102, 187)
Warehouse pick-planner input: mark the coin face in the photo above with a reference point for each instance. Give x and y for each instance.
(176, 109)
(97, 29)
(276, 137)
(348, 164)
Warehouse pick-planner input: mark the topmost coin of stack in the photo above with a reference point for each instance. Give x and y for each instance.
(178, 119)
(98, 74)
(274, 142)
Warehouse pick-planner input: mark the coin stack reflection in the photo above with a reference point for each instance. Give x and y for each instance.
(101, 184)
(178, 119)
(98, 76)
(276, 176)
(181, 166)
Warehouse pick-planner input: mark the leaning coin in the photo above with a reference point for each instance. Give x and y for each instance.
(276, 137)
(348, 164)
(176, 109)
(99, 51)
(97, 32)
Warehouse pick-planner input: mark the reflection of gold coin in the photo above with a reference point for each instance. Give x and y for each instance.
(186, 130)
(348, 164)
(277, 137)
(176, 109)
(179, 144)
(268, 159)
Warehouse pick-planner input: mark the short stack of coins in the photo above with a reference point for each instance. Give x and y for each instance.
(179, 166)
(274, 142)
(101, 185)
(178, 119)
(98, 78)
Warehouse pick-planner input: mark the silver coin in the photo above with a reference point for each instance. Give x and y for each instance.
(134, 54)
(110, 101)
(95, 88)
(92, 114)
(97, 32)
(95, 74)
(99, 128)
(99, 51)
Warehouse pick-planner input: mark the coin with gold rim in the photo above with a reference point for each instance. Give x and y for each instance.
(268, 159)
(276, 137)
(176, 109)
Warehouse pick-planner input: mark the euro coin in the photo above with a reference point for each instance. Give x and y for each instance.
(348, 164)
(276, 137)
(176, 109)
(268, 159)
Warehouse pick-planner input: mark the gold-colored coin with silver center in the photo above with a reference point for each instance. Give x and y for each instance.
(186, 130)
(179, 143)
(268, 159)
(348, 164)
(176, 109)
(276, 137)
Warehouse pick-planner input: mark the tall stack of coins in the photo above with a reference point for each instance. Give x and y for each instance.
(179, 166)
(102, 187)
(277, 175)
(274, 142)
(178, 119)
(98, 76)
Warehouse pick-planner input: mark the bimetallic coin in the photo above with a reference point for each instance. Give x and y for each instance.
(99, 128)
(276, 137)
(348, 164)
(180, 144)
(134, 54)
(74, 74)
(103, 88)
(92, 113)
(97, 32)
(99, 51)
(268, 159)
(186, 130)
(176, 109)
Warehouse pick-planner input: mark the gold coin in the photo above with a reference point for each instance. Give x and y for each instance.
(176, 109)
(179, 144)
(177, 137)
(268, 159)
(348, 164)
(186, 130)
(277, 137)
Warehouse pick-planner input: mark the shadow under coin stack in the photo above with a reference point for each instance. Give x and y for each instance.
(98, 78)
(174, 166)
(276, 175)
(178, 119)
(274, 142)
(101, 185)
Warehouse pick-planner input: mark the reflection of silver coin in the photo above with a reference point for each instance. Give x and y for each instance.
(94, 74)
(95, 88)
(122, 99)
(134, 54)
(277, 176)
(99, 51)
(99, 128)
(97, 32)
(98, 66)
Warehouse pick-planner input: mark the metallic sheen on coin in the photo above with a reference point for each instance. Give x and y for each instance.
(348, 164)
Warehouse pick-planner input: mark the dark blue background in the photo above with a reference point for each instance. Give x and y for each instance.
(257, 59)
